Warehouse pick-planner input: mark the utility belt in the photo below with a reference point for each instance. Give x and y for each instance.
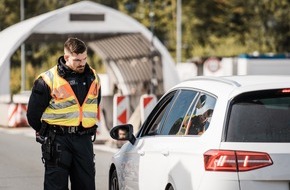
(79, 130)
(47, 130)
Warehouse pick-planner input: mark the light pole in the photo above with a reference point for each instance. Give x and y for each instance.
(22, 50)
(153, 52)
(178, 31)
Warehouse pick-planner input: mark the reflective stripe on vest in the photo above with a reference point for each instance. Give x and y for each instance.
(64, 108)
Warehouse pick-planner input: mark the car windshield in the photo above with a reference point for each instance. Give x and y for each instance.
(261, 116)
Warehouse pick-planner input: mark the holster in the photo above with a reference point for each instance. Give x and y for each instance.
(48, 147)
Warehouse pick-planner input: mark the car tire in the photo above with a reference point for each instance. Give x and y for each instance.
(170, 188)
(114, 184)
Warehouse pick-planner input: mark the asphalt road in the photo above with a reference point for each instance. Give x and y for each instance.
(22, 168)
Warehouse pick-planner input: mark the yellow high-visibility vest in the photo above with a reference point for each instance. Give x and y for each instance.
(64, 108)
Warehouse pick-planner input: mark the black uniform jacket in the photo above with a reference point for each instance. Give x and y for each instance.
(40, 95)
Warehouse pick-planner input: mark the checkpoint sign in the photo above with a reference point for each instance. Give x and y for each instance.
(121, 109)
(147, 103)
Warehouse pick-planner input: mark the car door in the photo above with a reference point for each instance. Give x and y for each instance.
(154, 142)
(185, 148)
(133, 173)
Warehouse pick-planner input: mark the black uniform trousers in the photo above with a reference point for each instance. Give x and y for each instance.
(73, 159)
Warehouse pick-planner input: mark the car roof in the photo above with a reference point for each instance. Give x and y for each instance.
(245, 80)
(233, 85)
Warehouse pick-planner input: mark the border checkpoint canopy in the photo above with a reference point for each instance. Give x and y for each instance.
(86, 18)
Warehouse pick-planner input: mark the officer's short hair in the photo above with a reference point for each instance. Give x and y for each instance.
(75, 45)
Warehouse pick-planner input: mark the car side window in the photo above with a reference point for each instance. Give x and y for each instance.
(198, 119)
(153, 123)
(177, 112)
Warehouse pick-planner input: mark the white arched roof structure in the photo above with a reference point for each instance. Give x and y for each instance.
(83, 17)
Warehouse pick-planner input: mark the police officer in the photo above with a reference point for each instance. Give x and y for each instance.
(62, 109)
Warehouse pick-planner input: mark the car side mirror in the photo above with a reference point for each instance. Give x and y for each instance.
(123, 133)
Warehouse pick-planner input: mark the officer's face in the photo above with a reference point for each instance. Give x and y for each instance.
(76, 62)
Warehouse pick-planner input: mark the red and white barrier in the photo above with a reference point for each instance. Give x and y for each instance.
(102, 134)
(17, 115)
(121, 109)
(147, 103)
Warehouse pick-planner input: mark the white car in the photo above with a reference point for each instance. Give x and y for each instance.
(224, 133)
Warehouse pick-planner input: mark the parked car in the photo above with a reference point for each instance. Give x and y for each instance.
(229, 133)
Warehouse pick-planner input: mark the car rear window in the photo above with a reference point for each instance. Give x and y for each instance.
(260, 116)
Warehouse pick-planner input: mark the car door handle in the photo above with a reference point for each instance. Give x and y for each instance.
(141, 153)
(165, 152)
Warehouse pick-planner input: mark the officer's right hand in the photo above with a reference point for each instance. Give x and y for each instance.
(40, 139)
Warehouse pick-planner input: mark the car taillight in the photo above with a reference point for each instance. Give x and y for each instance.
(286, 90)
(234, 161)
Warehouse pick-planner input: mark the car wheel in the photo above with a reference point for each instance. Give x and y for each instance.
(170, 188)
(114, 185)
